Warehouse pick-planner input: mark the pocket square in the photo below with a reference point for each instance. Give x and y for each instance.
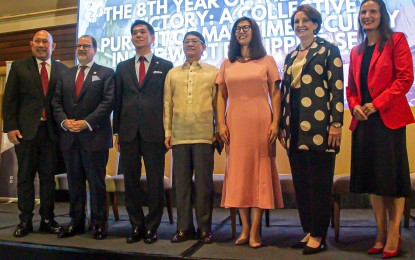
(158, 72)
(95, 78)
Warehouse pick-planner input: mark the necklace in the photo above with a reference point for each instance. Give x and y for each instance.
(306, 48)
(243, 60)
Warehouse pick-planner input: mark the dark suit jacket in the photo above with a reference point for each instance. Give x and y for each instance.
(95, 104)
(390, 77)
(140, 109)
(24, 100)
(322, 88)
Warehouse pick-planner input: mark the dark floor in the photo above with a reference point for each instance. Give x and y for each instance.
(357, 234)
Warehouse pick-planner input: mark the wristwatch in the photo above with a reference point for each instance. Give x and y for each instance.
(336, 124)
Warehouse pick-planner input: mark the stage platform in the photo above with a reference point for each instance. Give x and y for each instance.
(357, 234)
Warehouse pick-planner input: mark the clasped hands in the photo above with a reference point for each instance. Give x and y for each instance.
(361, 113)
(75, 126)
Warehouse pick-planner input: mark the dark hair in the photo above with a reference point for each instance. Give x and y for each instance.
(311, 13)
(137, 22)
(256, 48)
(384, 28)
(94, 41)
(197, 34)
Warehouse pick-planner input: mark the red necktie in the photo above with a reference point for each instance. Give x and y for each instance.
(45, 83)
(141, 72)
(80, 81)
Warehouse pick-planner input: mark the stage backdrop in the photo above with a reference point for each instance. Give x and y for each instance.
(109, 21)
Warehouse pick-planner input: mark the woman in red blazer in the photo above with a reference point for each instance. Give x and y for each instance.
(380, 74)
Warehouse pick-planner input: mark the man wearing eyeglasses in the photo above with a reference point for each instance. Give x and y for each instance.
(189, 95)
(82, 105)
(138, 125)
(29, 124)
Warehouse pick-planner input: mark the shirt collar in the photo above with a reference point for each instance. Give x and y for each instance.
(88, 65)
(147, 57)
(48, 61)
(187, 65)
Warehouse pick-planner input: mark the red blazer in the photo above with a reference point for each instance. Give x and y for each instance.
(390, 77)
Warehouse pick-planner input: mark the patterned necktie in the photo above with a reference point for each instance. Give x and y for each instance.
(45, 84)
(80, 81)
(141, 72)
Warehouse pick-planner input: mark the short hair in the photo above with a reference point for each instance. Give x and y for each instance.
(93, 40)
(312, 14)
(197, 34)
(256, 48)
(137, 22)
(384, 27)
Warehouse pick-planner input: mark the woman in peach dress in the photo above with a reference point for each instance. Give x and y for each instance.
(248, 81)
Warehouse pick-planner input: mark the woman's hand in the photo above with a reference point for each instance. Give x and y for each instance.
(224, 133)
(358, 113)
(369, 109)
(335, 136)
(282, 139)
(272, 132)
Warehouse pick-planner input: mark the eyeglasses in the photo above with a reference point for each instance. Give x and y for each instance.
(244, 28)
(194, 41)
(84, 46)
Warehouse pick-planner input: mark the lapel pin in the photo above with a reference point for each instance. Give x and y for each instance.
(94, 72)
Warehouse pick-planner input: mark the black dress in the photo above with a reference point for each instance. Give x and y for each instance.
(379, 157)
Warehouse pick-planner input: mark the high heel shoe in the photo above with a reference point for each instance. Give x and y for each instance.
(255, 245)
(299, 244)
(314, 250)
(387, 255)
(375, 250)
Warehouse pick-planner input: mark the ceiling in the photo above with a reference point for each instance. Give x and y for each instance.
(15, 7)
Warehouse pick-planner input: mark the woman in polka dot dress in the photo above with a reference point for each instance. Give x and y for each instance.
(380, 75)
(312, 116)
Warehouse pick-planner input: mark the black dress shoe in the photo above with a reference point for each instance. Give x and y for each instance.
(49, 226)
(135, 236)
(299, 245)
(72, 230)
(23, 229)
(100, 232)
(150, 237)
(182, 235)
(206, 237)
(314, 250)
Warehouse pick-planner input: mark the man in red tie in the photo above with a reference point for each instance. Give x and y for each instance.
(82, 105)
(29, 124)
(138, 123)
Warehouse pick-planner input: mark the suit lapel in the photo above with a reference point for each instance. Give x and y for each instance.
(153, 65)
(53, 77)
(35, 71)
(131, 71)
(375, 56)
(314, 51)
(357, 68)
(88, 79)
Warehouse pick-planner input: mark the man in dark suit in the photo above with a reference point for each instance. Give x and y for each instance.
(29, 124)
(138, 124)
(83, 102)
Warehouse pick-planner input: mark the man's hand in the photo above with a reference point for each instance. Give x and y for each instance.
(79, 125)
(167, 142)
(14, 136)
